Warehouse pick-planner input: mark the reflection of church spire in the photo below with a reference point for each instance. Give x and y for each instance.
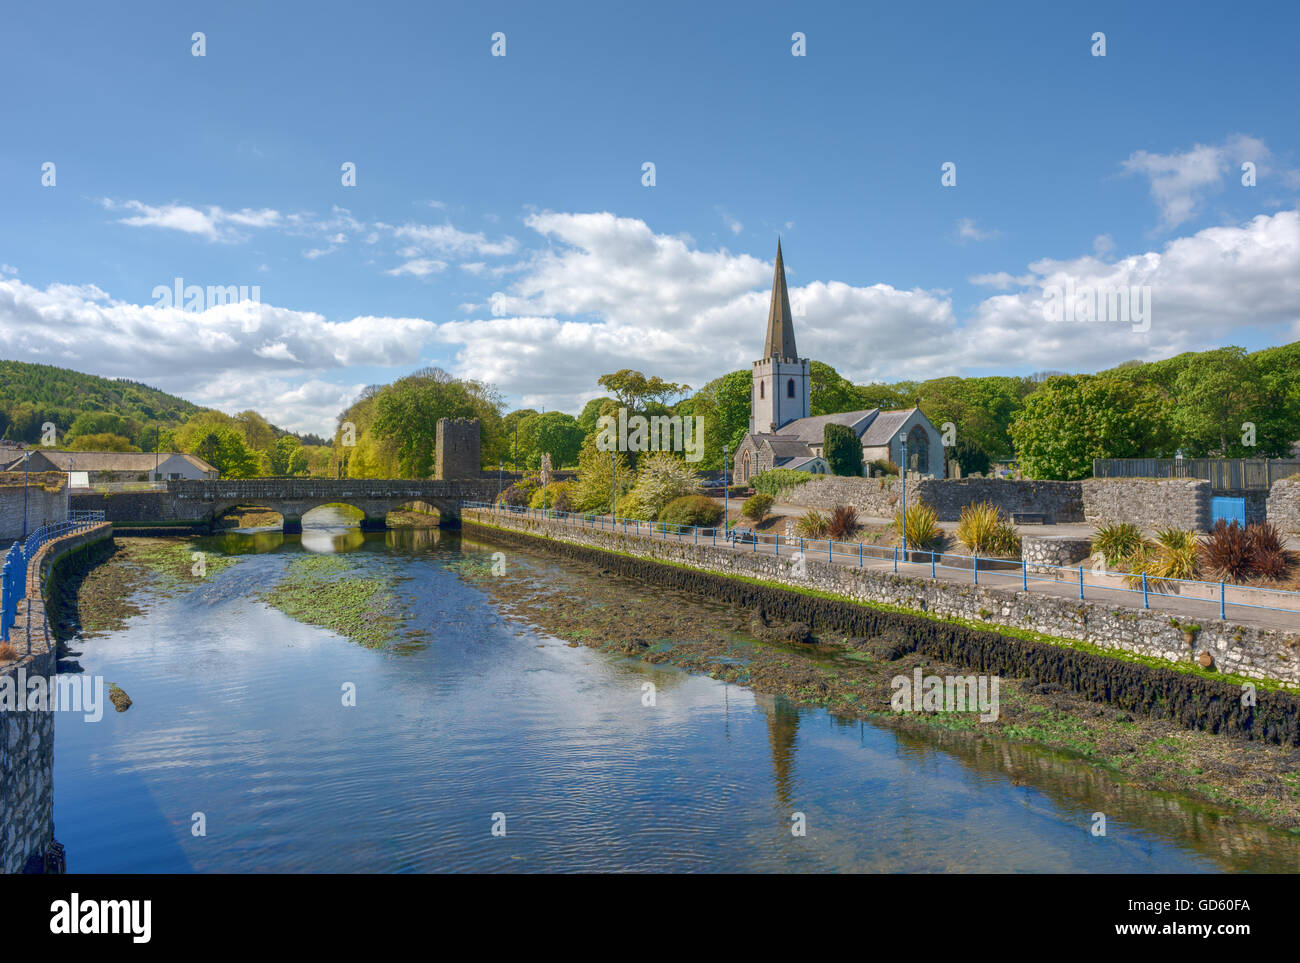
(782, 731)
(780, 321)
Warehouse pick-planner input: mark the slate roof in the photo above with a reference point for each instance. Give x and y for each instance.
(139, 461)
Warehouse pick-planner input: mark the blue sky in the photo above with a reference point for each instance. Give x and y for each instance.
(499, 227)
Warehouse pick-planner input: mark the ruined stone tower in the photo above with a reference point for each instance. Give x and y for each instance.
(456, 453)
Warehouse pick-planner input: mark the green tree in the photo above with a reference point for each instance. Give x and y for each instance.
(842, 450)
(635, 391)
(1072, 419)
(222, 447)
(981, 409)
(557, 435)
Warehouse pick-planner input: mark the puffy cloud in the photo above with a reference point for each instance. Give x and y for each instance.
(1180, 181)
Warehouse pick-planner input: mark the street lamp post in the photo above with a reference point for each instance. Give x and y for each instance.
(726, 483)
(902, 442)
(613, 487)
(26, 457)
(501, 467)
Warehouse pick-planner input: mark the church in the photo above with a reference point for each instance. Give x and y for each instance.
(783, 434)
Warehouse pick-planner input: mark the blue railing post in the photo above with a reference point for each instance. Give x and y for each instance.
(859, 555)
(830, 549)
(1146, 598)
(1081, 581)
(895, 558)
(932, 575)
(1024, 575)
(1223, 601)
(977, 568)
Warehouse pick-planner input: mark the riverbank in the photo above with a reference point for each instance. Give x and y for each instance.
(850, 674)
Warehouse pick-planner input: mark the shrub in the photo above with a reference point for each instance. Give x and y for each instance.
(1265, 537)
(771, 482)
(813, 525)
(1227, 552)
(518, 495)
(661, 478)
(1175, 554)
(7, 652)
(883, 466)
(844, 521)
(842, 449)
(1118, 542)
(757, 506)
(557, 496)
(985, 529)
(692, 510)
(920, 526)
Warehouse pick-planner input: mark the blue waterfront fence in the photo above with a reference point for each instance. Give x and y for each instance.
(13, 583)
(988, 571)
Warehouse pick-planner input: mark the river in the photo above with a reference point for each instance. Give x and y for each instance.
(239, 725)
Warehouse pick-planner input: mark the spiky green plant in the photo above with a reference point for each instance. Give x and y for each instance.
(920, 525)
(1118, 542)
(813, 525)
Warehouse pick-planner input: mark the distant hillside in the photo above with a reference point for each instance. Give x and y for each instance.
(32, 394)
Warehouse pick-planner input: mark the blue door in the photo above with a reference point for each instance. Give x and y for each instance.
(1229, 509)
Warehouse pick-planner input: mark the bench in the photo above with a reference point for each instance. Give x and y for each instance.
(1031, 518)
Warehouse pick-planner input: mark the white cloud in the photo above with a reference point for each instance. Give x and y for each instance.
(212, 222)
(1180, 181)
(967, 231)
(419, 267)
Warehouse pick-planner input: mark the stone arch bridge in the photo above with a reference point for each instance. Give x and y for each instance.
(295, 497)
(201, 503)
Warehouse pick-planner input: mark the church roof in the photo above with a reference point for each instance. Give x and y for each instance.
(780, 322)
(875, 427)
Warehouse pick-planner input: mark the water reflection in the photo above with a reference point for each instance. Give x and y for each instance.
(237, 714)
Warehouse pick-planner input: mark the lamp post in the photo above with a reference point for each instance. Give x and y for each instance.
(501, 467)
(613, 487)
(26, 457)
(726, 483)
(902, 442)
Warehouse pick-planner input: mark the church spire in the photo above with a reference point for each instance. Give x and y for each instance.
(780, 322)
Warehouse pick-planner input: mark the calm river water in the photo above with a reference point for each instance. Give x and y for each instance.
(238, 715)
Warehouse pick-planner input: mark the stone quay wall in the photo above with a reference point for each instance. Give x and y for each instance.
(1045, 554)
(1149, 503)
(27, 738)
(882, 498)
(47, 501)
(1284, 505)
(1245, 650)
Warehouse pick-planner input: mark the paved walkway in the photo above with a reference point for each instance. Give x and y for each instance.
(1097, 588)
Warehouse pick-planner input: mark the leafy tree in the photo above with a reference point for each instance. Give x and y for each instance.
(842, 450)
(635, 391)
(598, 473)
(981, 409)
(972, 459)
(1072, 419)
(101, 442)
(222, 446)
(287, 457)
(556, 434)
(661, 478)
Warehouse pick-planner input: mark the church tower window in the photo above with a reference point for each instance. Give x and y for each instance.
(789, 388)
(760, 389)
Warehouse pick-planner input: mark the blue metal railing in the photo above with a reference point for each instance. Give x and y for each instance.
(13, 582)
(1017, 570)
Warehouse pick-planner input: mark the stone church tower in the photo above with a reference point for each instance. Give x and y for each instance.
(781, 377)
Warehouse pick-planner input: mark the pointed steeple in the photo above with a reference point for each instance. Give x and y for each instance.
(780, 322)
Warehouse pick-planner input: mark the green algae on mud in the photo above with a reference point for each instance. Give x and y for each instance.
(97, 591)
(317, 590)
(851, 677)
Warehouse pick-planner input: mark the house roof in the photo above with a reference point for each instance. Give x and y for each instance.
(795, 464)
(113, 460)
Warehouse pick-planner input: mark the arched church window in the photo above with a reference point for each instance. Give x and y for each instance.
(918, 450)
(789, 388)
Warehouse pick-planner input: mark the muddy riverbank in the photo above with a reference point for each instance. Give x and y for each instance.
(851, 677)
